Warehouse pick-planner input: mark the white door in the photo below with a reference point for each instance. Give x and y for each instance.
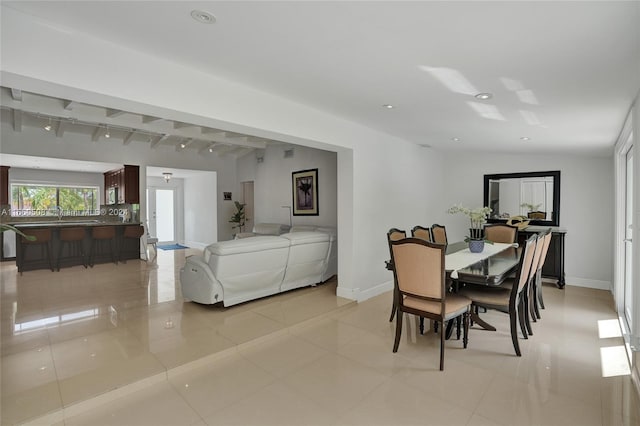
(628, 243)
(247, 198)
(161, 214)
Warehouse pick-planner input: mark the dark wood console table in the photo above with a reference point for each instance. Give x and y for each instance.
(554, 264)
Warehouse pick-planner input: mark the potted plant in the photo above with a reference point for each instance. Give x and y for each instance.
(7, 227)
(477, 217)
(238, 217)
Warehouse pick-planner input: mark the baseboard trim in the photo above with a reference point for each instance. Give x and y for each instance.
(584, 282)
(360, 296)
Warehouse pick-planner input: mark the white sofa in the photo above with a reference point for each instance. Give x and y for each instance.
(236, 271)
(264, 229)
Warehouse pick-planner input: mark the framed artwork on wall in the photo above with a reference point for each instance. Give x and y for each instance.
(227, 196)
(305, 192)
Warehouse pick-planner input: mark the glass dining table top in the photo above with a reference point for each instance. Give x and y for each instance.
(489, 271)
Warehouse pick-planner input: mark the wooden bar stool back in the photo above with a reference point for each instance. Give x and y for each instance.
(131, 232)
(101, 235)
(42, 239)
(73, 239)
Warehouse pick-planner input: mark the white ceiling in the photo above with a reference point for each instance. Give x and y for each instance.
(561, 73)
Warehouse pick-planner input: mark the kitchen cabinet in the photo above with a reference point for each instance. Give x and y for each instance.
(127, 182)
(4, 185)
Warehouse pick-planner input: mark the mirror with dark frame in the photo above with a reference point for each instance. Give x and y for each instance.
(534, 195)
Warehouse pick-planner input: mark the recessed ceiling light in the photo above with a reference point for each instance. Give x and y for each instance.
(182, 145)
(387, 106)
(455, 139)
(203, 17)
(210, 149)
(48, 126)
(525, 138)
(484, 96)
(107, 135)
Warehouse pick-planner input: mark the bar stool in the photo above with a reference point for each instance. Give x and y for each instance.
(131, 232)
(73, 238)
(99, 236)
(42, 239)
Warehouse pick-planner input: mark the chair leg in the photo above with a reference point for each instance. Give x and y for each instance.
(514, 329)
(393, 307)
(46, 247)
(532, 301)
(442, 350)
(525, 311)
(421, 325)
(465, 320)
(458, 319)
(539, 301)
(398, 330)
(521, 312)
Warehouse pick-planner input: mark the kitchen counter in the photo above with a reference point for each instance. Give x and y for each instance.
(63, 223)
(34, 256)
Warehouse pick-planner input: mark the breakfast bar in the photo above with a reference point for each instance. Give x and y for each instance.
(70, 243)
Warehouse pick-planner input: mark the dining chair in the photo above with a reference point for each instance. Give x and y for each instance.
(394, 234)
(537, 215)
(501, 233)
(509, 299)
(438, 234)
(419, 281)
(535, 294)
(421, 232)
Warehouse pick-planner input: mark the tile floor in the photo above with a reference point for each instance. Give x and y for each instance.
(116, 345)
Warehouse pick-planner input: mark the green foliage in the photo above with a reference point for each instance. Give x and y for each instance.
(238, 217)
(7, 227)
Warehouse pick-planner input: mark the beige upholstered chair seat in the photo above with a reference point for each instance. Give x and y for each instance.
(494, 296)
(456, 305)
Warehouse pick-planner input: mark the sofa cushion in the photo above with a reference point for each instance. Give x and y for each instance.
(270, 228)
(247, 245)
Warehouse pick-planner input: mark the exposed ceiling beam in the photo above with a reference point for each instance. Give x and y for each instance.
(17, 120)
(62, 125)
(99, 131)
(113, 113)
(210, 131)
(223, 149)
(155, 141)
(69, 105)
(127, 138)
(16, 94)
(181, 125)
(208, 148)
(184, 144)
(150, 119)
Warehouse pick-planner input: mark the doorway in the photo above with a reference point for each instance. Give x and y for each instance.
(161, 213)
(247, 198)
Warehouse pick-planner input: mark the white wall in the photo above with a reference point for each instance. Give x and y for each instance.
(200, 210)
(273, 190)
(586, 205)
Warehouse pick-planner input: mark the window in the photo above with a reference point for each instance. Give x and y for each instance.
(44, 200)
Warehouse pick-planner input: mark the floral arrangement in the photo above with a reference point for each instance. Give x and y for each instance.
(477, 216)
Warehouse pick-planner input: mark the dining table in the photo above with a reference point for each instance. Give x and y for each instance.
(495, 263)
(491, 267)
